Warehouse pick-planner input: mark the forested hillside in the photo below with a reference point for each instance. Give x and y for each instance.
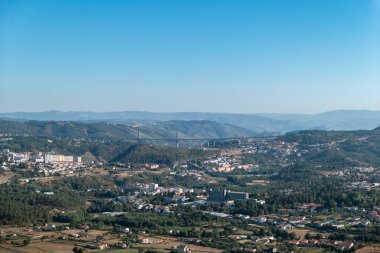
(339, 148)
(106, 131)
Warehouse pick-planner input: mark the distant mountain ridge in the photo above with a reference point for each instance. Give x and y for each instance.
(259, 122)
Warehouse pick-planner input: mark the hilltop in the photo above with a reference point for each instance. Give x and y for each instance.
(338, 148)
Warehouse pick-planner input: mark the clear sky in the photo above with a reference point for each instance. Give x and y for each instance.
(286, 56)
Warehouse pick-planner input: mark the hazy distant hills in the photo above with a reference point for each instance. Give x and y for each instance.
(333, 120)
(105, 130)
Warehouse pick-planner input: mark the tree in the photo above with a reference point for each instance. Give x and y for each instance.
(26, 241)
(79, 250)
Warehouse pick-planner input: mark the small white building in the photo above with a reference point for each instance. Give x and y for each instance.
(182, 248)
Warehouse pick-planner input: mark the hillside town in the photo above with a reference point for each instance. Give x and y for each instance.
(224, 190)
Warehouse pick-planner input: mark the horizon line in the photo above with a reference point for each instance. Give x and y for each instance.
(200, 112)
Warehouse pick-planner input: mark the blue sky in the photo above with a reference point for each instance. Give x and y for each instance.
(286, 56)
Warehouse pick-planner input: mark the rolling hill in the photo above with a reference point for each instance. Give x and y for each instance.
(104, 130)
(338, 149)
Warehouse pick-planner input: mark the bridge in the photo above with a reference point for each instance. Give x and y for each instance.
(175, 142)
(196, 142)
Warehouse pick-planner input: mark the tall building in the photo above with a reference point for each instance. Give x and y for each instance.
(237, 195)
(69, 159)
(50, 158)
(224, 195)
(217, 196)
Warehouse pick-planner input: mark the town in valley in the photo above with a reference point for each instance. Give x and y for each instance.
(289, 193)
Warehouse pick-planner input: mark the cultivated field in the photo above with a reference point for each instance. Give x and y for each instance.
(369, 249)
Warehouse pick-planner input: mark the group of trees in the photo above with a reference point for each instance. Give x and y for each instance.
(22, 205)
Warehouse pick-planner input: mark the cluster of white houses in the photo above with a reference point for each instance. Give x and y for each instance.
(39, 157)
